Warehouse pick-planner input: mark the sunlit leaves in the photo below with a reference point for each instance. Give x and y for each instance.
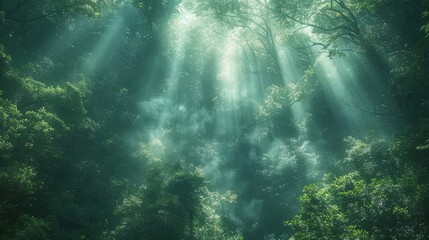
(276, 100)
(317, 219)
(384, 198)
(10, 122)
(287, 165)
(26, 144)
(26, 133)
(350, 207)
(425, 27)
(32, 138)
(371, 157)
(30, 94)
(280, 98)
(376, 157)
(211, 226)
(20, 181)
(27, 91)
(44, 124)
(4, 60)
(74, 101)
(153, 151)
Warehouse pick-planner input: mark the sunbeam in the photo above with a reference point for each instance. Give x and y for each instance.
(107, 44)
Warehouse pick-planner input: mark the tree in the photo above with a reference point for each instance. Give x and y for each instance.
(39, 130)
(343, 23)
(384, 196)
(349, 207)
(173, 203)
(28, 151)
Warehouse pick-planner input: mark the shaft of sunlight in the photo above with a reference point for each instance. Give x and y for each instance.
(228, 70)
(346, 91)
(291, 74)
(228, 58)
(168, 105)
(105, 46)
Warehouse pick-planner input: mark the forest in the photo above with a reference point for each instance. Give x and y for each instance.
(214, 119)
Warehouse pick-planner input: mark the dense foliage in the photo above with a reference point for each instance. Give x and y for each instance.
(218, 119)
